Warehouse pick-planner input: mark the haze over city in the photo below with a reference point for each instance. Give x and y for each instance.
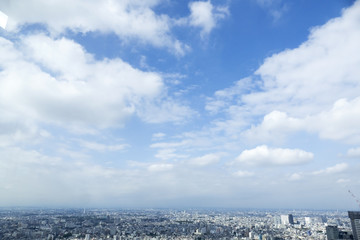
(160, 103)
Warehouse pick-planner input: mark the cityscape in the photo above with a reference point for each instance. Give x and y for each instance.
(157, 224)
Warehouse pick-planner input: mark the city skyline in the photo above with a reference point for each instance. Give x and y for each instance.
(158, 103)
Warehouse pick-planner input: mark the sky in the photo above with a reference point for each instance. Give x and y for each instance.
(162, 103)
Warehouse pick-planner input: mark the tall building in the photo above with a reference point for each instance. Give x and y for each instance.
(355, 223)
(277, 220)
(332, 232)
(287, 219)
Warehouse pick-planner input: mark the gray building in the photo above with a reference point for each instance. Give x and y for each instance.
(332, 232)
(355, 223)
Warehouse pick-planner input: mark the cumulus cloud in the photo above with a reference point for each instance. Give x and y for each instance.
(337, 123)
(100, 93)
(275, 126)
(265, 156)
(340, 122)
(60, 83)
(320, 71)
(205, 16)
(127, 19)
(316, 83)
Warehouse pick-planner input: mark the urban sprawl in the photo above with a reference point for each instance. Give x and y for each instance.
(159, 224)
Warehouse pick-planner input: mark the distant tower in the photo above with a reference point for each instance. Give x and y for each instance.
(332, 232)
(355, 223)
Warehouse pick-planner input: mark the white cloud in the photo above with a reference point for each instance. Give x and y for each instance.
(301, 85)
(103, 147)
(165, 110)
(98, 93)
(223, 98)
(205, 160)
(244, 174)
(341, 122)
(265, 156)
(338, 168)
(169, 144)
(342, 180)
(158, 135)
(3, 20)
(39, 87)
(128, 19)
(353, 152)
(30, 177)
(320, 71)
(275, 126)
(205, 15)
(338, 123)
(296, 176)
(169, 154)
(161, 167)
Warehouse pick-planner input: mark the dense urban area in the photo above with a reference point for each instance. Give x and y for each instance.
(149, 224)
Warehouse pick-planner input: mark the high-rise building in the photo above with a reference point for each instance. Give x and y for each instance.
(287, 219)
(332, 232)
(355, 223)
(277, 220)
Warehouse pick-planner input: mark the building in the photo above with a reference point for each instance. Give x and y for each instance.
(355, 223)
(332, 232)
(287, 219)
(277, 220)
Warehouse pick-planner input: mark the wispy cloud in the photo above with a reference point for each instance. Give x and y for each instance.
(95, 146)
(338, 168)
(205, 160)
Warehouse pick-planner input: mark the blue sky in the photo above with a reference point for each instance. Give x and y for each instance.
(160, 103)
